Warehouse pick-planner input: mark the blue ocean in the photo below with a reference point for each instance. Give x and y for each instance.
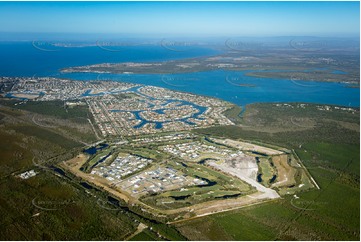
(22, 59)
(26, 58)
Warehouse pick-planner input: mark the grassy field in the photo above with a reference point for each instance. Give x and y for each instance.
(325, 219)
(267, 171)
(330, 151)
(96, 158)
(331, 156)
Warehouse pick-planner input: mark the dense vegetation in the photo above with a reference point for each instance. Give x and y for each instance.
(47, 207)
(53, 108)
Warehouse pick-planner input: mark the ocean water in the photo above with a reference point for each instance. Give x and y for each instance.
(26, 59)
(22, 59)
(240, 89)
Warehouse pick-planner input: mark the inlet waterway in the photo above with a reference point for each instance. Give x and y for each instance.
(242, 89)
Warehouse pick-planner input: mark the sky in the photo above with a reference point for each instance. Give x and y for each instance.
(183, 18)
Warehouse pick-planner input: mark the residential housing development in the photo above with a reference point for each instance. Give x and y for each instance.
(125, 109)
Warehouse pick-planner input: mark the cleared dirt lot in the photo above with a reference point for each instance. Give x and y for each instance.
(248, 146)
(246, 169)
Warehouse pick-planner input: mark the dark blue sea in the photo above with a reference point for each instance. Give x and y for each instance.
(26, 59)
(23, 59)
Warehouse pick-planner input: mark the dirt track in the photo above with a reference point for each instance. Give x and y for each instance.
(73, 165)
(248, 146)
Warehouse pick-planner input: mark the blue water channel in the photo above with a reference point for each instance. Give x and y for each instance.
(158, 124)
